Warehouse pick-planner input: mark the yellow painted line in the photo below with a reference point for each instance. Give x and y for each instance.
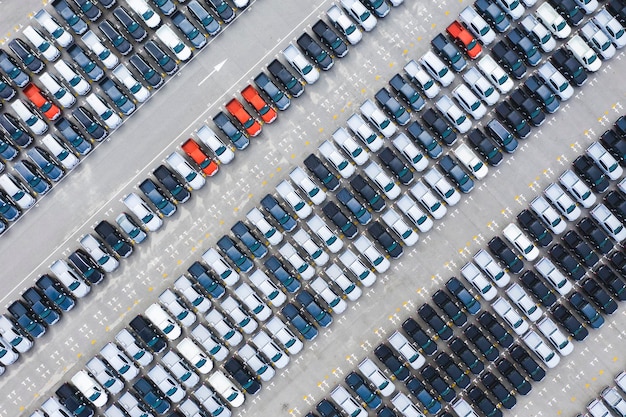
(165, 275)
(249, 196)
(377, 77)
(307, 142)
(293, 155)
(601, 372)
(22, 408)
(150, 288)
(447, 12)
(265, 182)
(363, 90)
(221, 221)
(178, 262)
(236, 209)
(278, 169)
(80, 355)
(335, 116)
(391, 64)
(107, 328)
(434, 25)
(573, 398)
(93, 341)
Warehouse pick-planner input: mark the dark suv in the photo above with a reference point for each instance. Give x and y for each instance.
(286, 78)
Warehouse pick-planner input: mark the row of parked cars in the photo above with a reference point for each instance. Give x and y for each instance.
(613, 397)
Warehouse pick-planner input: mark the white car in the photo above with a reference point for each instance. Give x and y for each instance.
(306, 184)
(517, 294)
(138, 90)
(29, 117)
(597, 409)
(267, 287)
(538, 33)
(173, 42)
(551, 19)
(58, 91)
(179, 310)
(60, 151)
(477, 25)
(555, 277)
(373, 373)
(412, 154)
(577, 188)
(15, 336)
(194, 355)
(605, 161)
(453, 113)
(347, 403)
(7, 355)
(209, 342)
(426, 197)
(293, 198)
(555, 336)
(249, 297)
(301, 64)
(556, 81)
(548, 214)
(392, 219)
(102, 109)
(319, 227)
(269, 232)
(253, 359)
(120, 362)
(365, 133)
(405, 406)
(133, 407)
(366, 248)
(304, 240)
(179, 368)
(609, 222)
(344, 24)
(481, 86)
(349, 288)
(211, 402)
(360, 14)
(226, 389)
(469, 101)
(291, 255)
(94, 43)
(410, 209)
(350, 146)
(583, 53)
(384, 182)
(163, 321)
(60, 35)
(182, 167)
(615, 400)
(337, 304)
(207, 136)
(473, 275)
(354, 264)
(611, 27)
(70, 278)
(336, 159)
(147, 14)
(189, 408)
(436, 68)
(442, 186)
(98, 253)
(491, 267)
(513, 8)
(281, 332)
(238, 315)
(401, 344)
(622, 185)
(510, 316)
(521, 242)
(45, 48)
(422, 79)
(271, 351)
(620, 380)
(541, 349)
(462, 408)
(378, 118)
(471, 161)
(221, 268)
(195, 298)
(104, 375)
(166, 383)
(495, 74)
(562, 201)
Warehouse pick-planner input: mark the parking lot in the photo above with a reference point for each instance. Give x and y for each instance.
(312, 118)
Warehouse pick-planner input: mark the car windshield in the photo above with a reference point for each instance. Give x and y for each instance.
(322, 56)
(435, 207)
(546, 38)
(472, 44)
(503, 79)
(592, 59)
(484, 30)
(516, 65)
(477, 167)
(514, 5)
(179, 47)
(364, 16)
(461, 119)
(454, 59)
(442, 72)
(308, 68)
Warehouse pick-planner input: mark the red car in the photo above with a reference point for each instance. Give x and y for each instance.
(463, 37)
(34, 94)
(192, 149)
(252, 96)
(252, 126)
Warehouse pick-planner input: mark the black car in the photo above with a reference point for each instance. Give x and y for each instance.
(620, 126)
(493, 14)
(121, 100)
(439, 126)
(366, 394)
(509, 59)
(618, 9)
(315, 51)
(599, 296)
(166, 62)
(405, 90)
(189, 30)
(566, 261)
(74, 401)
(201, 274)
(7, 92)
(87, 267)
(26, 55)
(234, 134)
(89, 9)
(460, 349)
(524, 46)
(449, 52)
(569, 10)
(313, 163)
(615, 144)
(613, 282)
(147, 334)
(542, 93)
(151, 395)
(152, 77)
(528, 106)
(278, 97)
(284, 219)
(244, 378)
(444, 302)
(114, 239)
(503, 252)
(458, 290)
(41, 306)
(131, 25)
(8, 210)
(586, 310)
(497, 330)
(415, 332)
(566, 319)
(616, 203)
(89, 123)
(586, 168)
(330, 38)
(513, 119)
(334, 213)
(235, 254)
(392, 362)
(528, 364)
(223, 10)
(171, 183)
(475, 335)
(508, 370)
(485, 147)
(78, 25)
(15, 130)
(327, 409)
(433, 377)
(365, 190)
(166, 7)
(27, 319)
(452, 169)
(536, 286)
(395, 165)
(93, 71)
(345, 197)
(384, 238)
(424, 140)
(72, 135)
(618, 260)
(206, 19)
(157, 197)
(430, 316)
(535, 228)
(452, 369)
(580, 248)
(569, 66)
(493, 384)
(286, 78)
(392, 107)
(55, 292)
(244, 234)
(501, 135)
(480, 400)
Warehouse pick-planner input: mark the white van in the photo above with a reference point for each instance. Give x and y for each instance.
(127, 78)
(70, 279)
(140, 209)
(110, 117)
(60, 35)
(173, 42)
(583, 53)
(146, 13)
(17, 192)
(32, 120)
(60, 152)
(58, 91)
(224, 153)
(222, 385)
(103, 53)
(74, 79)
(89, 388)
(45, 48)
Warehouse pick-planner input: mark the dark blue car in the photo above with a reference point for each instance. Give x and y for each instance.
(358, 385)
(71, 134)
(151, 396)
(359, 211)
(276, 268)
(55, 292)
(202, 275)
(29, 174)
(45, 163)
(26, 319)
(244, 234)
(420, 392)
(8, 210)
(322, 317)
(74, 401)
(283, 218)
(157, 197)
(78, 25)
(231, 250)
(147, 335)
(41, 306)
(292, 314)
